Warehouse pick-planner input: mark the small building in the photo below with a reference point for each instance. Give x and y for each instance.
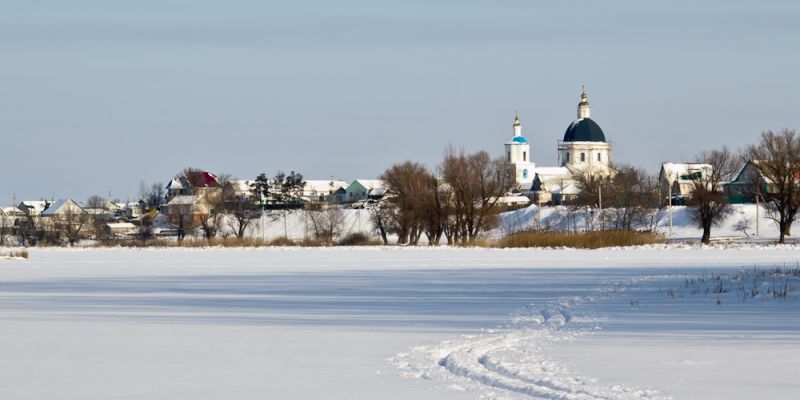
(363, 189)
(113, 206)
(679, 179)
(178, 186)
(64, 208)
(554, 184)
(511, 202)
(322, 190)
(119, 228)
(11, 212)
(747, 183)
(188, 210)
(33, 208)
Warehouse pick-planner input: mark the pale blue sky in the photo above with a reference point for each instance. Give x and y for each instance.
(98, 95)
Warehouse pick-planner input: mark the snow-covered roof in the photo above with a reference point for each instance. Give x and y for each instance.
(11, 211)
(372, 183)
(513, 199)
(175, 184)
(186, 199)
(121, 225)
(545, 172)
(242, 186)
(112, 205)
(568, 189)
(62, 206)
(375, 187)
(36, 206)
(323, 186)
(682, 172)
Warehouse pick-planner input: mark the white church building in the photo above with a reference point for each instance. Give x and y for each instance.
(583, 150)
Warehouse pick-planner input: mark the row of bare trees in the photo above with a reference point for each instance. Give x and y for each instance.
(775, 181)
(457, 201)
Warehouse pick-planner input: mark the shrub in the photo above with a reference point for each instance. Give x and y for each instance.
(358, 239)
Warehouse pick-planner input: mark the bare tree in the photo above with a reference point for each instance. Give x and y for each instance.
(216, 203)
(326, 223)
(153, 195)
(241, 212)
(6, 223)
(145, 229)
(379, 214)
(475, 183)
(777, 158)
(708, 204)
(71, 223)
(95, 201)
(408, 184)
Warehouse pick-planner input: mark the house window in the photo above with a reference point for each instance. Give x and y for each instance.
(583, 156)
(524, 156)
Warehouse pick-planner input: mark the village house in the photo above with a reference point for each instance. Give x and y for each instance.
(680, 179)
(748, 182)
(118, 229)
(363, 189)
(188, 210)
(33, 208)
(322, 190)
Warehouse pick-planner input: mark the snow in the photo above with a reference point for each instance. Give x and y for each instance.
(393, 323)
(271, 225)
(682, 226)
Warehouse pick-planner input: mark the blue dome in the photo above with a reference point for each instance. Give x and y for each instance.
(584, 130)
(519, 139)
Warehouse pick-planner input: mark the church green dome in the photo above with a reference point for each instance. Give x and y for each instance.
(584, 130)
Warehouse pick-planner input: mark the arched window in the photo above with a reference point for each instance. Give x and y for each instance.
(567, 157)
(509, 156)
(599, 158)
(524, 156)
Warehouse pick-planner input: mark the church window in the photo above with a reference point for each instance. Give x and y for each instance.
(509, 156)
(599, 158)
(567, 157)
(583, 156)
(525, 174)
(524, 156)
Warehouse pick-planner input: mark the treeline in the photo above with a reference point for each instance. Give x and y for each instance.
(457, 200)
(457, 206)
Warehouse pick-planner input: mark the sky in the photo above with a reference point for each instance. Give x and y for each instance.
(97, 96)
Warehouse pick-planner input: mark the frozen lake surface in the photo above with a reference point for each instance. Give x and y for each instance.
(394, 323)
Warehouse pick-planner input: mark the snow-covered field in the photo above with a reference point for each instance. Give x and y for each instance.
(399, 323)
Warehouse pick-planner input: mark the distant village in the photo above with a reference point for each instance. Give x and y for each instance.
(457, 200)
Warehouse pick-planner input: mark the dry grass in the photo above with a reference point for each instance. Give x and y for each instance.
(15, 254)
(281, 241)
(579, 240)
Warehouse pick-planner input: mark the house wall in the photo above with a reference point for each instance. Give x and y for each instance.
(356, 192)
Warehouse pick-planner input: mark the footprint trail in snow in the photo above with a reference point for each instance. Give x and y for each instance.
(513, 362)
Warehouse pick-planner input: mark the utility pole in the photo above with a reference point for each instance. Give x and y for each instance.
(600, 203)
(670, 212)
(758, 208)
(539, 212)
